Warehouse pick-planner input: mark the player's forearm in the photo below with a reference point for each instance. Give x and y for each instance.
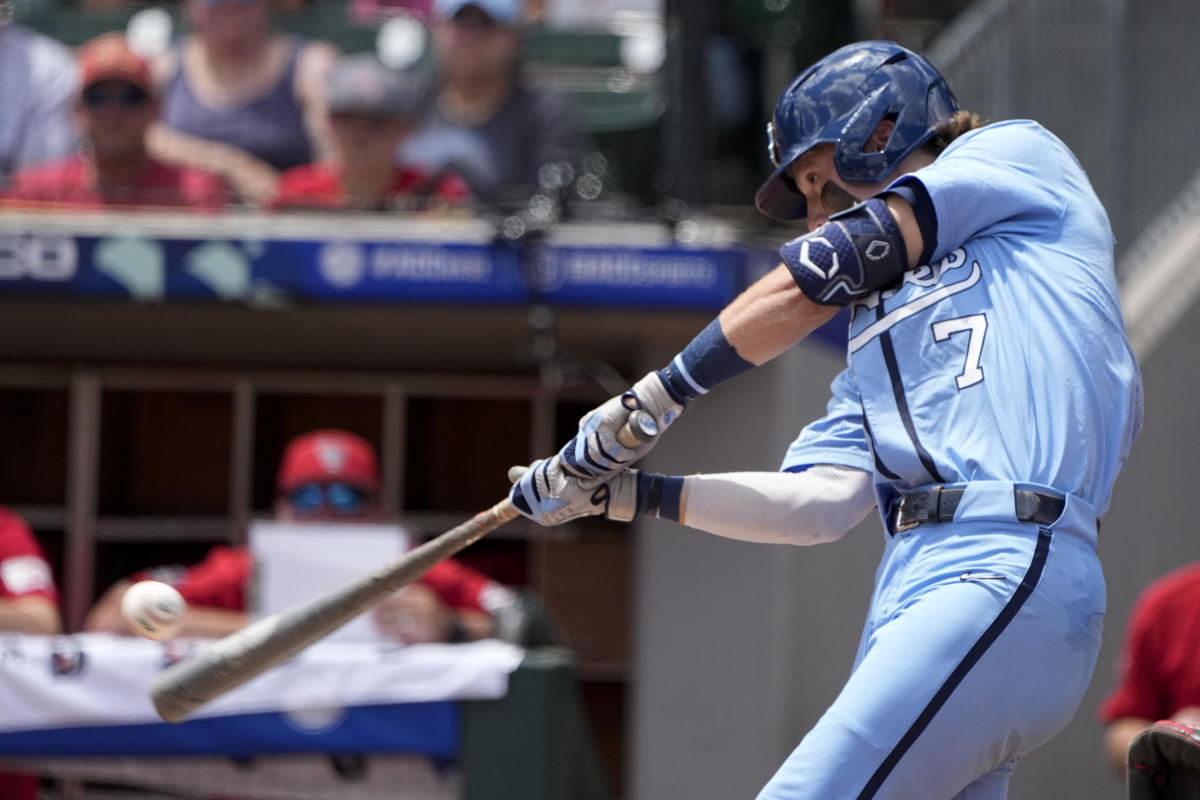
(29, 615)
(817, 505)
(762, 322)
(1116, 741)
(771, 316)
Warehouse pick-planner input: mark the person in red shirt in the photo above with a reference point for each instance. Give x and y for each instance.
(1159, 677)
(372, 110)
(28, 598)
(28, 604)
(115, 108)
(325, 476)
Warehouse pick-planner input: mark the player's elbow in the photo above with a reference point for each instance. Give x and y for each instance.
(836, 499)
(816, 524)
(822, 518)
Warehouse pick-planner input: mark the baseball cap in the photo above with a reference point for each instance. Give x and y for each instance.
(328, 455)
(108, 57)
(505, 12)
(361, 84)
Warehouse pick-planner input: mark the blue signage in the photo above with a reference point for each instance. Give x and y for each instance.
(272, 272)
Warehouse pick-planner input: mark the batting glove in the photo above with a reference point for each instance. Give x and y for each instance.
(548, 495)
(594, 455)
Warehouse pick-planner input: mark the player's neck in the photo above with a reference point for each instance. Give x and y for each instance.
(913, 162)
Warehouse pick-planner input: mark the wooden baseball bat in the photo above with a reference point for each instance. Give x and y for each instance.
(185, 686)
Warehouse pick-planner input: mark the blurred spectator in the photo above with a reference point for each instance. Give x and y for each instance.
(241, 99)
(1159, 678)
(113, 110)
(483, 121)
(372, 109)
(37, 84)
(28, 604)
(28, 599)
(365, 12)
(326, 476)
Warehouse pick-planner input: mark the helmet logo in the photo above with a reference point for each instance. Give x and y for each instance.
(331, 456)
(772, 145)
(877, 249)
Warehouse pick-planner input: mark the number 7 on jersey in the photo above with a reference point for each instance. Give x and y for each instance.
(975, 326)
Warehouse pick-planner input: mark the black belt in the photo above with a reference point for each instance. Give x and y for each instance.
(938, 504)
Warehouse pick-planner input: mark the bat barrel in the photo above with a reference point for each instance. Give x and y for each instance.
(234, 660)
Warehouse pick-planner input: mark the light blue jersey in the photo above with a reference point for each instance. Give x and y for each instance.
(1001, 366)
(1005, 359)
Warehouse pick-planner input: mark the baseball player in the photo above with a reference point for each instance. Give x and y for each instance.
(990, 399)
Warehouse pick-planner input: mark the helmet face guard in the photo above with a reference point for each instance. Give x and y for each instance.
(841, 100)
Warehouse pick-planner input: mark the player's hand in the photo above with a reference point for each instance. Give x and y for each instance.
(548, 495)
(594, 455)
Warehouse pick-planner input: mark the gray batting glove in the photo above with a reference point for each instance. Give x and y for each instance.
(548, 495)
(594, 455)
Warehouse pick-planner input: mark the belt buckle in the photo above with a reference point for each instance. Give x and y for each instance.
(920, 514)
(900, 524)
(901, 527)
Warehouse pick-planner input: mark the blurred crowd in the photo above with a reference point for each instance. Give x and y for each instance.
(236, 112)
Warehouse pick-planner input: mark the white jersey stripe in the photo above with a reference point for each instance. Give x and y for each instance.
(923, 302)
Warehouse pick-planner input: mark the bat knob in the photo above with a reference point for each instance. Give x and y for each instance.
(638, 429)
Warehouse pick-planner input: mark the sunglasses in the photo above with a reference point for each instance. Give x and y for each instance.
(343, 499)
(125, 95)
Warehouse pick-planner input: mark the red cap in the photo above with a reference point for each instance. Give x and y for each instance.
(328, 455)
(108, 57)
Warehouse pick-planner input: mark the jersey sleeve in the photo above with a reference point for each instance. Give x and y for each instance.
(1003, 177)
(1139, 690)
(221, 580)
(24, 571)
(836, 438)
(465, 589)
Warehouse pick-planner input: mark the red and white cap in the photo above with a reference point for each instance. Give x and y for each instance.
(108, 57)
(326, 456)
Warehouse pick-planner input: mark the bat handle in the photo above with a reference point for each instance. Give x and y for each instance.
(638, 429)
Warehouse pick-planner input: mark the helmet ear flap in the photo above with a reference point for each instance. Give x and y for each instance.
(855, 161)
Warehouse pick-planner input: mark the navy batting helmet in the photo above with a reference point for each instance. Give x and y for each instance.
(841, 99)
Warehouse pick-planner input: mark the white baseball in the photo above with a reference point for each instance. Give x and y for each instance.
(154, 610)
